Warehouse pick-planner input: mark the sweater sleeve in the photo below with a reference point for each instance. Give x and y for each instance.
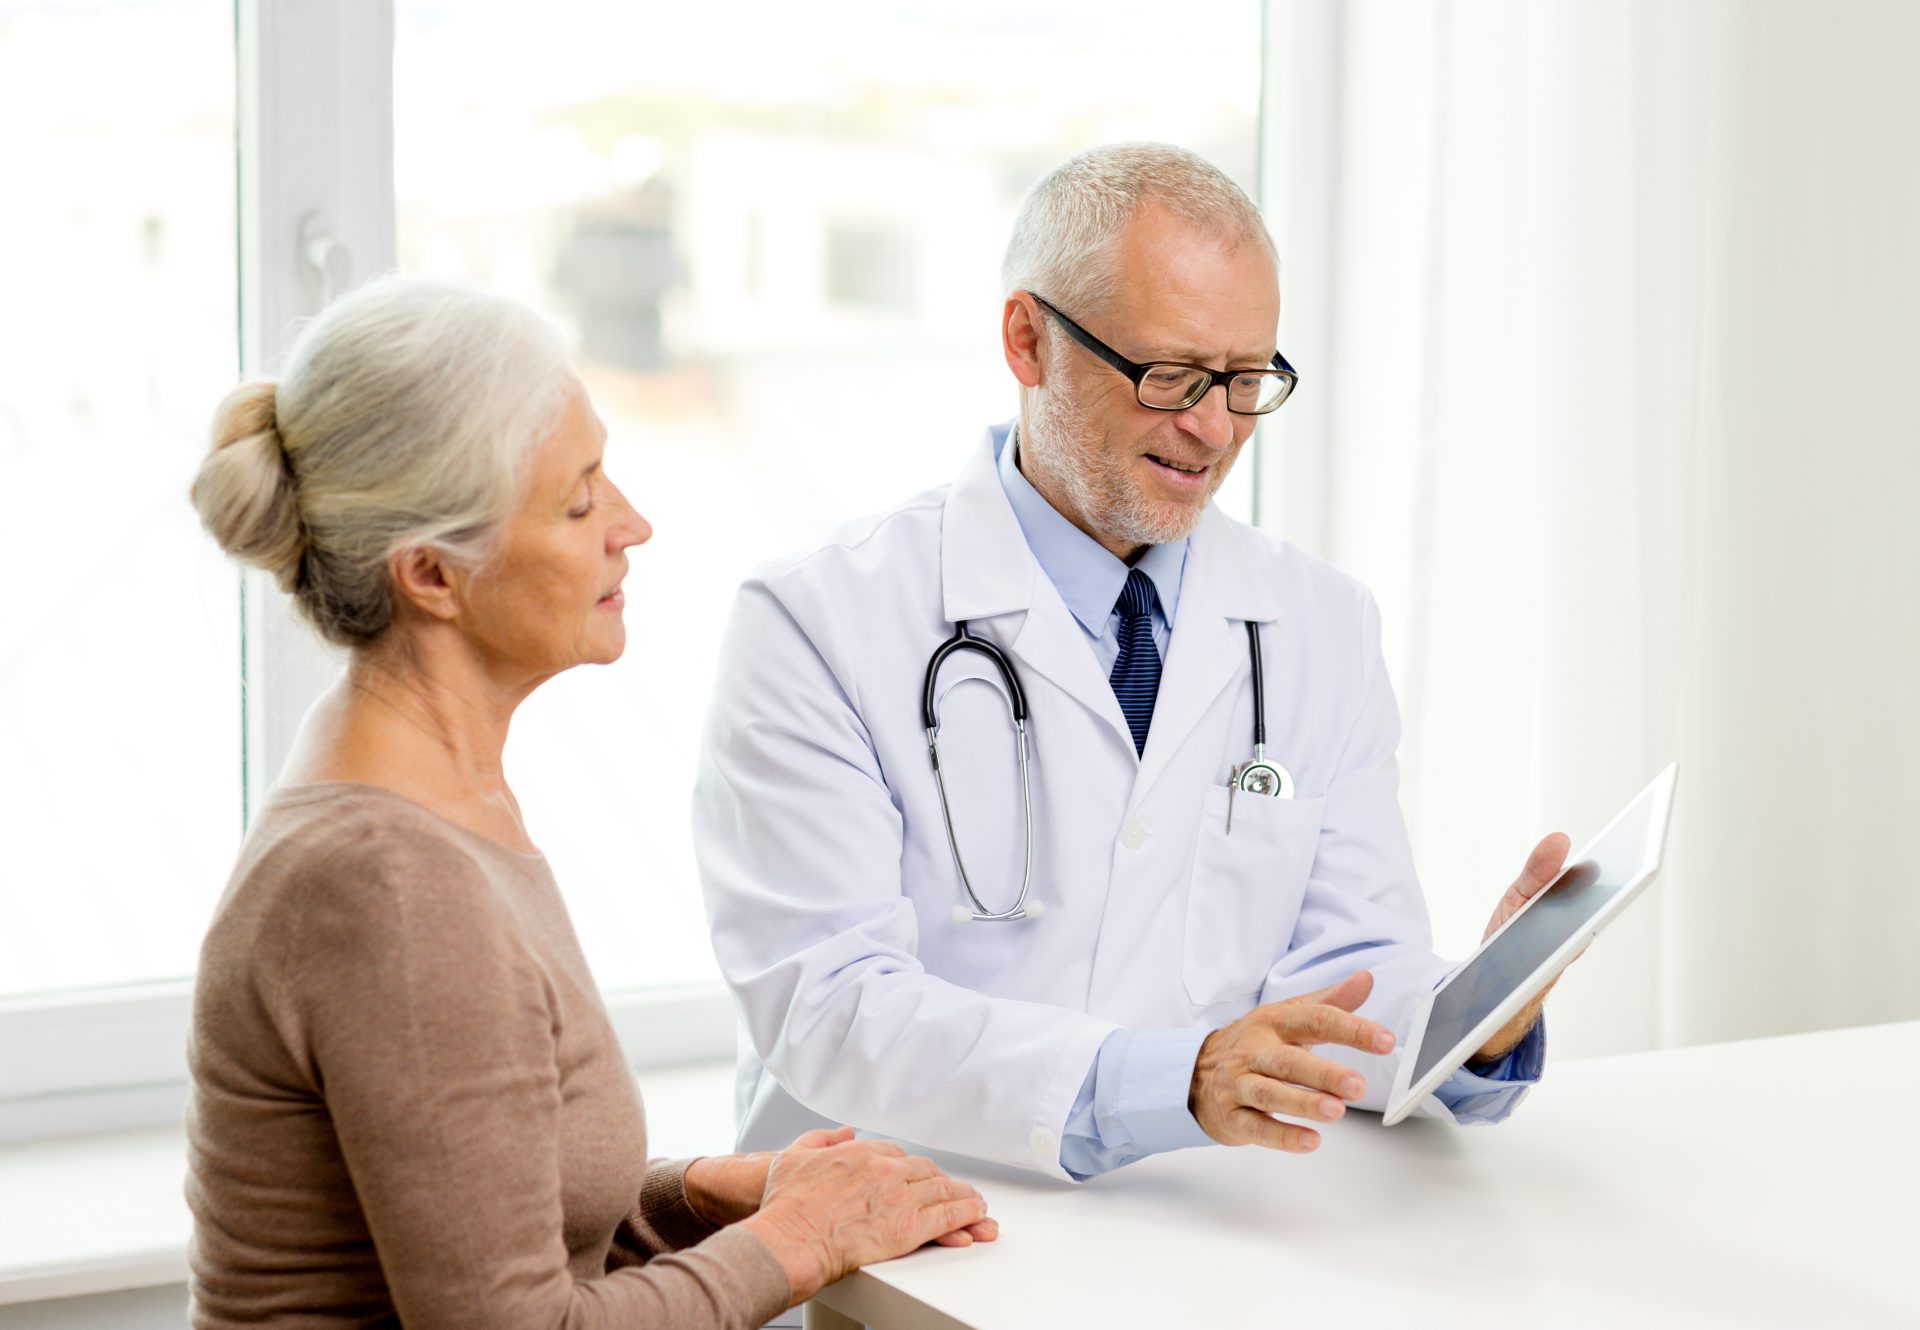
(663, 1221)
(428, 1025)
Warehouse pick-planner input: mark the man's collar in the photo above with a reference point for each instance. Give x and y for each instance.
(1087, 575)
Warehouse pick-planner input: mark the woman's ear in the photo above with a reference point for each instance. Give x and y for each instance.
(423, 578)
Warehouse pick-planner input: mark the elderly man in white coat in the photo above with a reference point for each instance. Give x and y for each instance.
(1144, 956)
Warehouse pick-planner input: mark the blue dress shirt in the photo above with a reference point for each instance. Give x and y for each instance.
(1134, 1101)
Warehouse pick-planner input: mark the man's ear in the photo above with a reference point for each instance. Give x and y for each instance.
(423, 578)
(1020, 337)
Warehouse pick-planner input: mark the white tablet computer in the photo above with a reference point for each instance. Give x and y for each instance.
(1532, 947)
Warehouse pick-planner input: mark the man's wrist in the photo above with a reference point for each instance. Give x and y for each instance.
(1484, 1064)
(1193, 1085)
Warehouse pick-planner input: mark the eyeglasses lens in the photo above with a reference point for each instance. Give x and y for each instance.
(1176, 387)
(1171, 387)
(1257, 394)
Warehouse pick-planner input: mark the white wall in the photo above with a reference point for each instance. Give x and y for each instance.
(135, 1309)
(1610, 327)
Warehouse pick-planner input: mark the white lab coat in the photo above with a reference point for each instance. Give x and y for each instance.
(830, 885)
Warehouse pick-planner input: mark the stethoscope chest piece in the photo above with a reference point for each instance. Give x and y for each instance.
(1263, 777)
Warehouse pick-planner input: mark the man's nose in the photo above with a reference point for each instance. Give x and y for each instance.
(1208, 419)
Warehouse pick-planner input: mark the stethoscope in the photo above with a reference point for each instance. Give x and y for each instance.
(1256, 776)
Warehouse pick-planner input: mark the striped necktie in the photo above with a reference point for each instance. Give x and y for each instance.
(1136, 670)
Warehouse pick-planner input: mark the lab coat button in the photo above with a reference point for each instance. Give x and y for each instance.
(1043, 1143)
(1134, 834)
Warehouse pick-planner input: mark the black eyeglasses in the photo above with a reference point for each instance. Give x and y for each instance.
(1170, 386)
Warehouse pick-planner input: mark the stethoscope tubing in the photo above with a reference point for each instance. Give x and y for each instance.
(964, 640)
(1259, 688)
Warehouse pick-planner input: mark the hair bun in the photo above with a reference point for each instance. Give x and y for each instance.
(246, 492)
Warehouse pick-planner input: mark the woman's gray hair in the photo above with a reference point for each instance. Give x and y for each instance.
(1065, 238)
(402, 418)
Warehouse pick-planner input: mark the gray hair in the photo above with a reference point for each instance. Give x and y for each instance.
(402, 418)
(1065, 238)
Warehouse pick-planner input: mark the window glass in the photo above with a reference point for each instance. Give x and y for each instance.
(778, 258)
(119, 655)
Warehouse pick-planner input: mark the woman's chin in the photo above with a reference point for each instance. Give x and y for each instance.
(609, 645)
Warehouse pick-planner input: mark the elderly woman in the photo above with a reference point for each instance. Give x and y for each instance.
(408, 1103)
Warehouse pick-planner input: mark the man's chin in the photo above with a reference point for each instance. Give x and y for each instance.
(1165, 523)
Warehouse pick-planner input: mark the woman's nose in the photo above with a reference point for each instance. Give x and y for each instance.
(628, 528)
(631, 530)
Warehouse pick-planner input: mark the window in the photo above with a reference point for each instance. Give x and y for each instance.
(777, 260)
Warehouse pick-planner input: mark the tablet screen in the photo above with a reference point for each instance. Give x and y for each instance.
(1556, 914)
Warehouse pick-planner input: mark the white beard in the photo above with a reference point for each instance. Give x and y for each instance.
(1061, 448)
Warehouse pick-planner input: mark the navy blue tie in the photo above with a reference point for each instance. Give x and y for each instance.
(1136, 670)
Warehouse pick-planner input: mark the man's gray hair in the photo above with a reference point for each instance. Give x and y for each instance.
(1064, 240)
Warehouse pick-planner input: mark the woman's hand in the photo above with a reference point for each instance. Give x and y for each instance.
(724, 1189)
(833, 1204)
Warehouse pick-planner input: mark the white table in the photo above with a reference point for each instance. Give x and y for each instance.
(1765, 1183)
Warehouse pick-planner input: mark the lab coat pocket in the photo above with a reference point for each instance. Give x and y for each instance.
(1245, 894)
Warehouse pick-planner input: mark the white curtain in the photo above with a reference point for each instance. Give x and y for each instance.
(1606, 319)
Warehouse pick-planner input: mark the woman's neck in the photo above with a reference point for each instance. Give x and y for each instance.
(421, 716)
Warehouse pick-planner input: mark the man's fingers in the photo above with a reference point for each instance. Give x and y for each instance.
(1290, 1100)
(821, 1137)
(1296, 1023)
(1543, 865)
(1252, 1127)
(1291, 1065)
(1347, 995)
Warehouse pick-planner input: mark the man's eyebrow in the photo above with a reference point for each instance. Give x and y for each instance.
(1186, 355)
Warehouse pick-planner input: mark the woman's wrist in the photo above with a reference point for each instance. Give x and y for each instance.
(700, 1196)
(725, 1189)
(801, 1250)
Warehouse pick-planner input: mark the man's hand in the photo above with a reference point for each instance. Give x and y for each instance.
(1260, 1065)
(1542, 867)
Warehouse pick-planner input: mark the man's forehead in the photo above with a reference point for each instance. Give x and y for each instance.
(1183, 323)
(1189, 289)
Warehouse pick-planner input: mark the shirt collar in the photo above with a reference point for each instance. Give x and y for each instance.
(1086, 574)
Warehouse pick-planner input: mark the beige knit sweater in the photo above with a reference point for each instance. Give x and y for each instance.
(409, 1106)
